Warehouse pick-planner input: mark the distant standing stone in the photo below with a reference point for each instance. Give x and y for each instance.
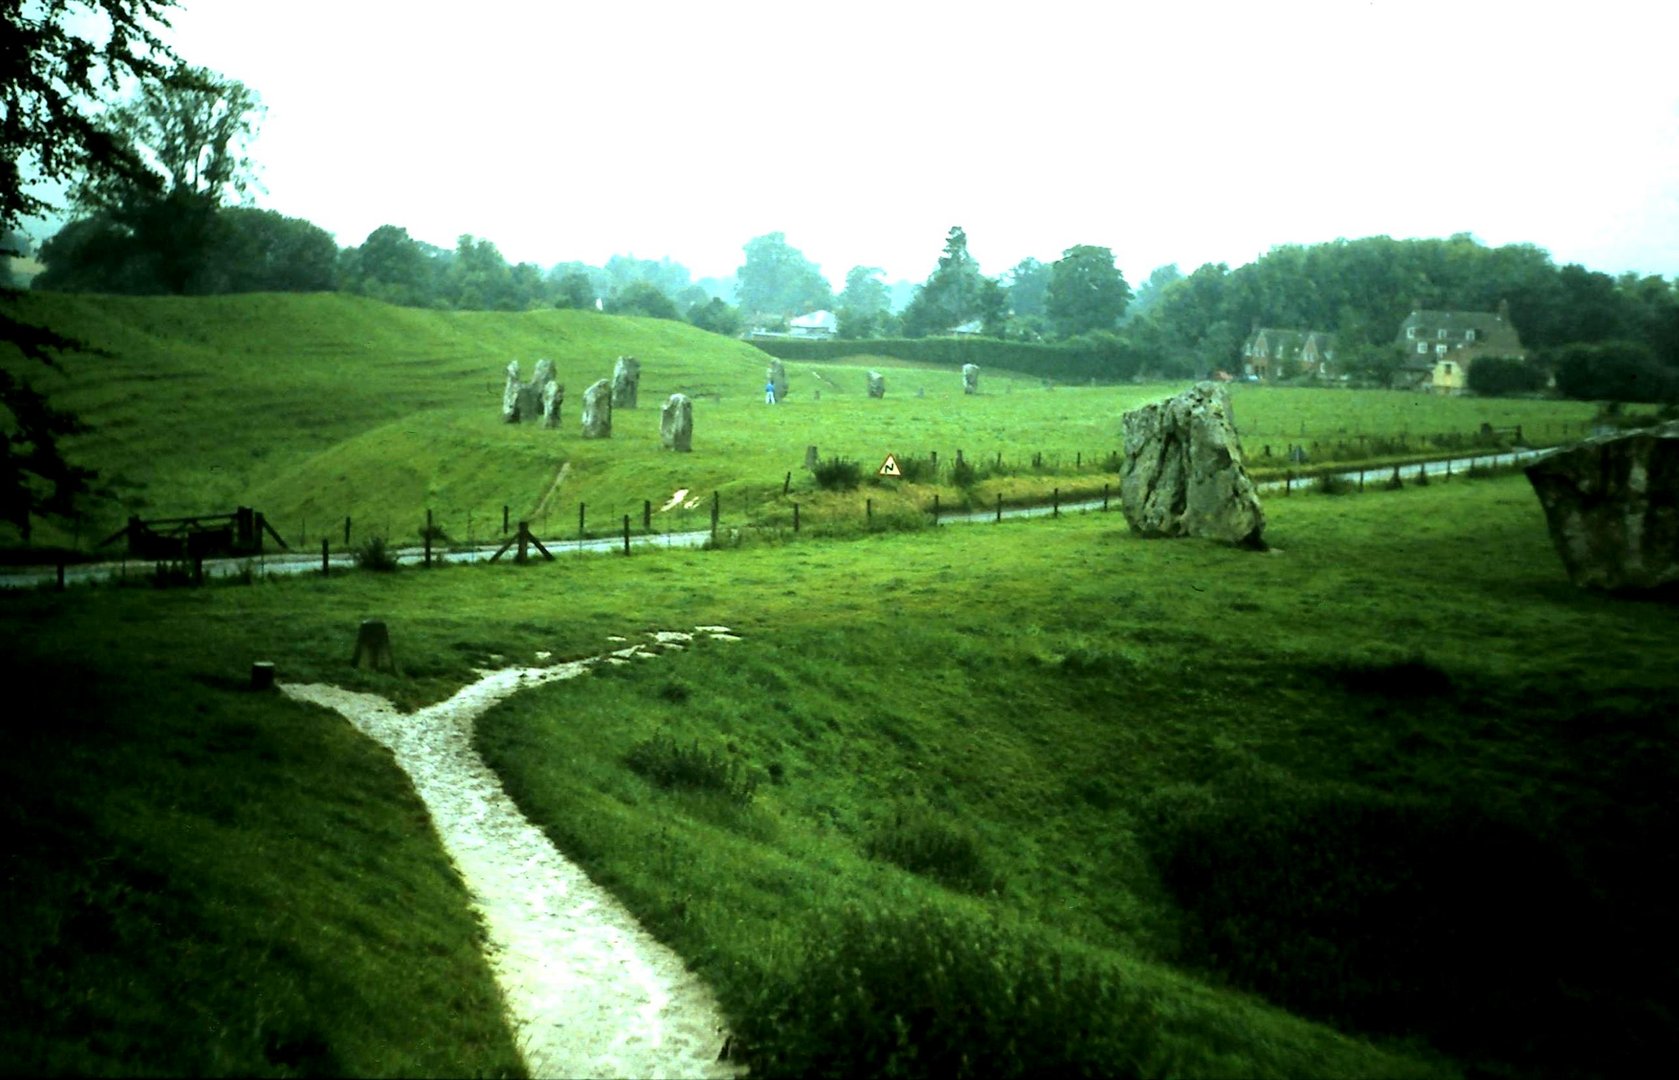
(877, 384)
(810, 458)
(776, 375)
(626, 382)
(553, 396)
(970, 378)
(676, 424)
(597, 410)
(373, 647)
(510, 394)
(1183, 473)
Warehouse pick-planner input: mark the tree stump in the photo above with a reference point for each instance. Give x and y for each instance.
(262, 675)
(373, 647)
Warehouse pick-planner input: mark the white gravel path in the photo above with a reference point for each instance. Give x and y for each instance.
(591, 994)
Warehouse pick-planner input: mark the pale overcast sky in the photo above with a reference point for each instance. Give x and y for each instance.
(1171, 132)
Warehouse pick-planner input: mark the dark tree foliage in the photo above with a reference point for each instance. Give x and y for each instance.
(50, 75)
(716, 316)
(1500, 376)
(642, 298)
(1614, 371)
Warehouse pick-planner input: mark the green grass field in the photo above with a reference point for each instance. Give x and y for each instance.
(314, 409)
(1391, 799)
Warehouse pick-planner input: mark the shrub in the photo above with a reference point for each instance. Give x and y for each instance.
(936, 993)
(924, 844)
(1334, 484)
(837, 474)
(374, 554)
(963, 474)
(667, 763)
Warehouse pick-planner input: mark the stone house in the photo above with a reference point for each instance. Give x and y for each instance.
(1440, 346)
(1271, 353)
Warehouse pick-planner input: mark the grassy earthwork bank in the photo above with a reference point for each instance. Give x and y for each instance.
(315, 409)
(1391, 799)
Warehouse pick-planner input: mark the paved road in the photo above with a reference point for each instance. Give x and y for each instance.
(32, 576)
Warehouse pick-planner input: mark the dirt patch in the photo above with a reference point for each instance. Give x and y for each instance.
(589, 992)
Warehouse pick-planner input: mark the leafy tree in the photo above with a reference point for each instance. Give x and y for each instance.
(478, 278)
(1086, 291)
(253, 250)
(716, 316)
(641, 298)
(574, 290)
(865, 306)
(777, 280)
(1028, 285)
(392, 266)
(1499, 376)
(1614, 371)
(955, 293)
(55, 63)
(1150, 292)
(191, 129)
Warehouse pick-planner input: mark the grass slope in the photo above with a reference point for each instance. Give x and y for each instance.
(1393, 800)
(318, 408)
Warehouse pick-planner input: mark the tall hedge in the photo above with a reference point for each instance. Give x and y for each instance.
(1104, 361)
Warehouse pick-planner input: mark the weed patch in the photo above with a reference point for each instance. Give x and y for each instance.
(669, 764)
(922, 843)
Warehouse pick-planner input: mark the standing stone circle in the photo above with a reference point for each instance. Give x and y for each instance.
(777, 374)
(970, 378)
(1183, 473)
(877, 384)
(676, 424)
(1612, 507)
(597, 410)
(626, 382)
(553, 396)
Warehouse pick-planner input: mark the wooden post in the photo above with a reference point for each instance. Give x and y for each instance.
(1078, 460)
(786, 483)
(1055, 502)
(935, 508)
(262, 675)
(325, 557)
(1104, 498)
(795, 518)
(647, 515)
(504, 510)
(346, 530)
(626, 534)
(1288, 482)
(428, 537)
(999, 507)
(868, 511)
(716, 511)
(580, 511)
(524, 540)
(373, 647)
(1448, 468)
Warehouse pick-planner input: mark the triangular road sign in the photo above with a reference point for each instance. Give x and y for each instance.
(889, 467)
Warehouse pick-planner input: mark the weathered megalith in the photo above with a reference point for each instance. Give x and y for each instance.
(543, 375)
(1612, 505)
(970, 378)
(510, 394)
(626, 382)
(811, 459)
(553, 396)
(1183, 473)
(597, 410)
(676, 424)
(877, 384)
(777, 376)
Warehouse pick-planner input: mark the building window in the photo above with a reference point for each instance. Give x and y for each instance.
(1469, 335)
(1421, 347)
(1441, 349)
(1411, 332)
(1447, 367)
(1442, 335)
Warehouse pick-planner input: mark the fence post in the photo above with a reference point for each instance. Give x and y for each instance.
(524, 539)
(647, 515)
(868, 511)
(795, 518)
(1104, 498)
(716, 509)
(325, 558)
(935, 508)
(1078, 460)
(428, 536)
(504, 520)
(581, 507)
(346, 531)
(626, 534)
(1288, 482)
(999, 507)
(1448, 468)
(1055, 502)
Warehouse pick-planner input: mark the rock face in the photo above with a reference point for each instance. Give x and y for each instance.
(877, 384)
(1612, 504)
(1183, 473)
(597, 410)
(970, 378)
(626, 382)
(553, 396)
(676, 424)
(510, 394)
(777, 374)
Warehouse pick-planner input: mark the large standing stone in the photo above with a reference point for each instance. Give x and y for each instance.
(1612, 505)
(543, 375)
(877, 384)
(676, 424)
(597, 410)
(970, 378)
(777, 375)
(810, 458)
(553, 396)
(626, 382)
(510, 394)
(1183, 473)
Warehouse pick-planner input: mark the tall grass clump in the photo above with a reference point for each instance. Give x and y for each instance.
(917, 840)
(837, 474)
(374, 554)
(669, 764)
(1334, 484)
(935, 992)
